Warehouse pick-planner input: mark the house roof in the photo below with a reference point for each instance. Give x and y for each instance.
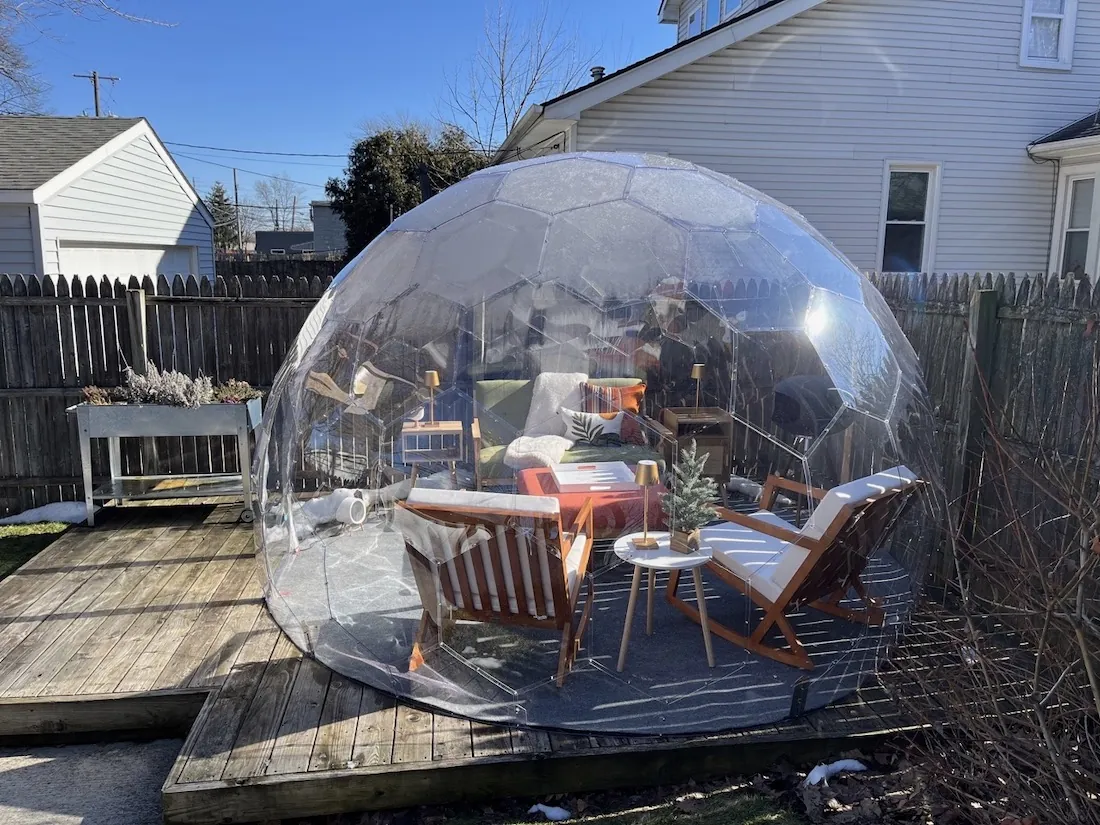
(678, 47)
(34, 149)
(558, 114)
(1088, 126)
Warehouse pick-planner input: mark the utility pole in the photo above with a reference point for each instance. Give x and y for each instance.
(293, 212)
(237, 209)
(95, 77)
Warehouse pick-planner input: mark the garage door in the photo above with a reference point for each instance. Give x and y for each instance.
(107, 259)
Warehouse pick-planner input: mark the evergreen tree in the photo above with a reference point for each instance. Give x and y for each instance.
(394, 170)
(225, 217)
(689, 504)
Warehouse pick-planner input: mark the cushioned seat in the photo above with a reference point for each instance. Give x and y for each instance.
(629, 453)
(751, 555)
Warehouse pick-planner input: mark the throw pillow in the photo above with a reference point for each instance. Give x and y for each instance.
(552, 391)
(592, 428)
(526, 451)
(610, 399)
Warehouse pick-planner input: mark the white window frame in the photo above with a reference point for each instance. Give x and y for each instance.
(1067, 175)
(696, 15)
(931, 208)
(708, 6)
(1064, 61)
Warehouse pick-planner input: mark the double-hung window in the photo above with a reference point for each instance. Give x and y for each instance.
(1046, 38)
(908, 220)
(714, 13)
(1078, 223)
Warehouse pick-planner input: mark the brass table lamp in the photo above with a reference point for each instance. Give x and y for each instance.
(697, 375)
(431, 381)
(646, 475)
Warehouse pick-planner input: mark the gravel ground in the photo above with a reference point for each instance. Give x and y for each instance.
(110, 784)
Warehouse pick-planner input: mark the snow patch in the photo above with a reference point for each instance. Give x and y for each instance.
(68, 512)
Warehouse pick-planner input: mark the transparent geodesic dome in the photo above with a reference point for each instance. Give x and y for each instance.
(520, 291)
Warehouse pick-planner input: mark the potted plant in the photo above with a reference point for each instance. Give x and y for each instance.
(690, 503)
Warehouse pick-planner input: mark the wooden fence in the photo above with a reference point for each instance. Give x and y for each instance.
(59, 335)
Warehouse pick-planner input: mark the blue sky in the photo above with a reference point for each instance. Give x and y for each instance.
(293, 76)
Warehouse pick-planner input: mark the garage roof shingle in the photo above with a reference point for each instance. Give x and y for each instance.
(36, 149)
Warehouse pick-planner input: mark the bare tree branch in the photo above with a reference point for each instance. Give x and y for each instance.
(519, 62)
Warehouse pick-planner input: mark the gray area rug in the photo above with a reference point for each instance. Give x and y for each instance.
(349, 599)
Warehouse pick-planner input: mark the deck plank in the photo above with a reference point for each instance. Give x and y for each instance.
(336, 733)
(174, 629)
(491, 740)
(202, 635)
(245, 617)
(39, 599)
(451, 738)
(211, 746)
(52, 643)
(260, 725)
(374, 734)
(412, 741)
(111, 670)
(298, 729)
(70, 677)
(529, 740)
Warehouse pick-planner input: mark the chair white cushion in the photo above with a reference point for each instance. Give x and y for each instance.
(501, 502)
(754, 557)
(573, 561)
(552, 391)
(896, 479)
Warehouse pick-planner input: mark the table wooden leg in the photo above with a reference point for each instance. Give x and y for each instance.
(635, 585)
(701, 601)
(651, 587)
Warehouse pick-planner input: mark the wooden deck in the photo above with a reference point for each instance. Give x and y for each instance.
(154, 622)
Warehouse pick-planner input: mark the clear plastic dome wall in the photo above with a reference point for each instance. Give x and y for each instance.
(448, 463)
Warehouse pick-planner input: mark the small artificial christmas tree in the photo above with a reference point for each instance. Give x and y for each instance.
(690, 503)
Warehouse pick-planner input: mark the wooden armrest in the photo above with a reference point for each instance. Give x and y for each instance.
(475, 431)
(768, 529)
(583, 523)
(775, 483)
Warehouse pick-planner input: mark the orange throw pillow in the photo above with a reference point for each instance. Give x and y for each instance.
(599, 399)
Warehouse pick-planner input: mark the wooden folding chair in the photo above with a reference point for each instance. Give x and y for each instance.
(498, 558)
(780, 567)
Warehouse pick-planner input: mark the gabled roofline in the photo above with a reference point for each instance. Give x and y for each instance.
(140, 129)
(568, 106)
(668, 11)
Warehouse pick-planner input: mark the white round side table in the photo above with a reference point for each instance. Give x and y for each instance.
(661, 557)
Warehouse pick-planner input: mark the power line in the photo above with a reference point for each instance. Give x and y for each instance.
(95, 77)
(250, 171)
(258, 151)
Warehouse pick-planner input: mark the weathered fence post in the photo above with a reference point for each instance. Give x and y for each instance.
(976, 381)
(135, 313)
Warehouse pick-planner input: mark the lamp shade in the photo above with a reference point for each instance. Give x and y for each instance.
(431, 379)
(645, 475)
(697, 371)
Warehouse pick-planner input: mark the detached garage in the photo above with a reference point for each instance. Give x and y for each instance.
(97, 196)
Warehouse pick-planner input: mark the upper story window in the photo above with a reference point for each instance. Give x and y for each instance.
(714, 13)
(1046, 40)
(695, 23)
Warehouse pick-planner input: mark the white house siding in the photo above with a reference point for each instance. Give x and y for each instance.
(809, 110)
(16, 239)
(130, 199)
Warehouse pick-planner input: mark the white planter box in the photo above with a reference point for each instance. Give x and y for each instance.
(115, 421)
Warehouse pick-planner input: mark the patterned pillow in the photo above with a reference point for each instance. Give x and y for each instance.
(592, 428)
(610, 399)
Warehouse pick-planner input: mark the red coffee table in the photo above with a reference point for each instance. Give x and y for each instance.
(614, 512)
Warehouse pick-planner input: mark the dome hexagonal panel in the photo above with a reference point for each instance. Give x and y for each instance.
(494, 407)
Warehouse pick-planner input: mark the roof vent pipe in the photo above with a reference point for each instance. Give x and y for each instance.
(597, 72)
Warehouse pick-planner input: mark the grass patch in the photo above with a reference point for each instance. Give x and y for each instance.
(21, 542)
